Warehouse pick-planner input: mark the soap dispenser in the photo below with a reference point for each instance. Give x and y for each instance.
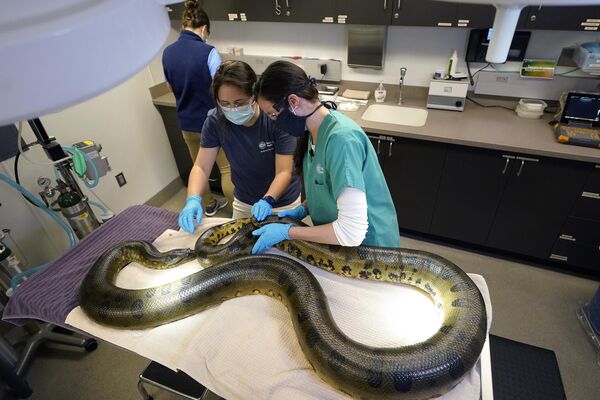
(380, 93)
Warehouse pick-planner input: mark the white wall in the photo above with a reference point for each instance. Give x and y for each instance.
(129, 128)
(420, 49)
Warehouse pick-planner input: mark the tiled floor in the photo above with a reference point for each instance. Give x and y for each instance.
(530, 304)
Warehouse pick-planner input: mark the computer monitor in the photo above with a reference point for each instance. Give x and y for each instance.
(581, 109)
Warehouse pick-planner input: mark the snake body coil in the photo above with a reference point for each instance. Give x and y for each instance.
(420, 371)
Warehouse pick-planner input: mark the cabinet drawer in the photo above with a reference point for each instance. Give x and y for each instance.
(582, 231)
(588, 206)
(576, 254)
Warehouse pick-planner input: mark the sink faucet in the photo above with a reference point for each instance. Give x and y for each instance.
(401, 84)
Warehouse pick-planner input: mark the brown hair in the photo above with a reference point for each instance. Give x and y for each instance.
(194, 16)
(235, 73)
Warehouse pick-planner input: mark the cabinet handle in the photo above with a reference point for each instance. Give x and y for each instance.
(506, 166)
(399, 4)
(378, 146)
(521, 168)
(384, 5)
(528, 159)
(567, 237)
(277, 8)
(390, 151)
(508, 158)
(287, 3)
(591, 195)
(559, 257)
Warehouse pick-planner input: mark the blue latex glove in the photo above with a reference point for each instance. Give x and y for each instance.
(192, 209)
(270, 235)
(261, 209)
(299, 212)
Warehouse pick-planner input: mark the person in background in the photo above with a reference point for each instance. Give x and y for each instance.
(346, 193)
(261, 155)
(189, 65)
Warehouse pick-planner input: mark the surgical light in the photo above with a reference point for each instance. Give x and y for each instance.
(58, 53)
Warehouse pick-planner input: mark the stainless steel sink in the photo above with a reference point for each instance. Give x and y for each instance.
(396, 115)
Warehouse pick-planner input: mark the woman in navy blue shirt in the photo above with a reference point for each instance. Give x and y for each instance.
(261, 155)
(189, 65)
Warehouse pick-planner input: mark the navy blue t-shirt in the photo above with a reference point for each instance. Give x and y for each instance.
(251, 154)
(185, 64)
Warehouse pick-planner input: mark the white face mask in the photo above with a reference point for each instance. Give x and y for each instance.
(239, 115)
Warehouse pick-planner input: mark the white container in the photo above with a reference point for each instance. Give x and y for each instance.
(380, 93)
(531, 108)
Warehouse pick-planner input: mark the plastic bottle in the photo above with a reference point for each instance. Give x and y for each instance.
(452, 63)
(380, 93)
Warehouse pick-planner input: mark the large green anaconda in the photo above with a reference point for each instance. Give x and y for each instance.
(421, 371)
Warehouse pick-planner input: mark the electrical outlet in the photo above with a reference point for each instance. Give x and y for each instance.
(120, 179)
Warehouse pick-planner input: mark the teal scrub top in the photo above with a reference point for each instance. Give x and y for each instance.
(344, 157)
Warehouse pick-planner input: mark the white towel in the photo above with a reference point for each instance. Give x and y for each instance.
(246, 348)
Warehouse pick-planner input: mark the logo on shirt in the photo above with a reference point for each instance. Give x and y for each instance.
(319, 168)
(266, 146)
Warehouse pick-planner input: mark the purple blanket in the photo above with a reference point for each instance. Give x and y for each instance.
(52, 293)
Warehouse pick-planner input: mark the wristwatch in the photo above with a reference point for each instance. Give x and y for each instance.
(270, 200)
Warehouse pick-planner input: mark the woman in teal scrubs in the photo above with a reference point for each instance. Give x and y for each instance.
(347, 197)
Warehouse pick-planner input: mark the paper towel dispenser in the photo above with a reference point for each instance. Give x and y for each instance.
(366, 46)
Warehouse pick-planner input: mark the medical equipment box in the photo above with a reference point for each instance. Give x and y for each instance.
(447, 95)
(587, 57)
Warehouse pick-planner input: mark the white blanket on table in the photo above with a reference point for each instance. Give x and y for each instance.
(246, 348)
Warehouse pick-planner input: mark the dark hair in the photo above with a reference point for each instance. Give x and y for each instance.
(194, 16)
(277, 82)
(235, 73)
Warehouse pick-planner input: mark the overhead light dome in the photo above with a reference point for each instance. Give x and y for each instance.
(58, 53)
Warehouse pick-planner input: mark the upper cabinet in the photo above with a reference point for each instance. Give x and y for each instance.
(475, 16)
(364, 12)
(424, 13)
(585, 18)
(395, 12)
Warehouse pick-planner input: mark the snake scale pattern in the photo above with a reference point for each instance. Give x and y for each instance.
(424, 370)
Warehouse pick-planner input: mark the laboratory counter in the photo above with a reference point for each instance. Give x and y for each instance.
(490, 128)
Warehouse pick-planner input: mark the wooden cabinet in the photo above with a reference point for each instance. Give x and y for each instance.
(568, 18)
(471, 186)
(578, 243)
(364, 12)
(476, 16)
(412, 170)
(536, 202)
(394, 12)
(424, 13)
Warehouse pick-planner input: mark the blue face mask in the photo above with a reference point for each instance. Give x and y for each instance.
(239, 115)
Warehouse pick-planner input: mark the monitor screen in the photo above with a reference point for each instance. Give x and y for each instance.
(582, 108)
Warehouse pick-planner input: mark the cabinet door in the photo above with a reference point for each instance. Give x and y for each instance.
(475, 15)
(263, 10)
(366, 12)
(219, 10)
(536, 203)
(306, 10)
(424, 13)
(568, 18)
(470, 190)
(412, 170)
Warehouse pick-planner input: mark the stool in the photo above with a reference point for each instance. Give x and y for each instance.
(178, 382)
